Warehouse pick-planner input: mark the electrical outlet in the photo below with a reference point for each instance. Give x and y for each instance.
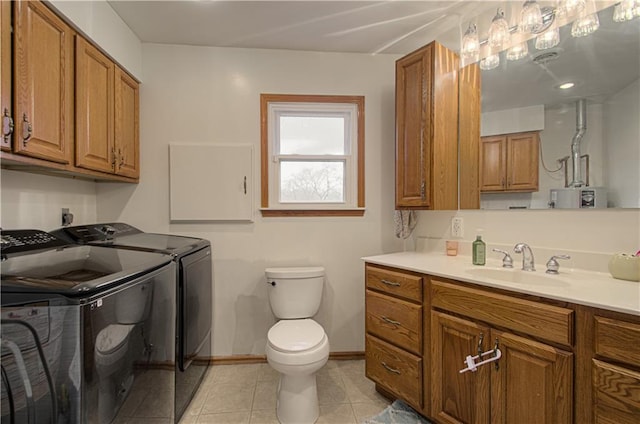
(457, 227)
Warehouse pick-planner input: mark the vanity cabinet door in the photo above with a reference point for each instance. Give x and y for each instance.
(509, 162)
(458, 398)
(532, 382)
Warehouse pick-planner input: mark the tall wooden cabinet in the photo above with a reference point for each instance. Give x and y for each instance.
(509, 162)
(6, 110)
(427, 129)
(43, 83)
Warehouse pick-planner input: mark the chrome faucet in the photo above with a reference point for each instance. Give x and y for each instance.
(527, 256)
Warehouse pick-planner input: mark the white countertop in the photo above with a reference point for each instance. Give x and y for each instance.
(588, 288)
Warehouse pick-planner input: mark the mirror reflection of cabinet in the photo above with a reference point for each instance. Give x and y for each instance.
(509, 162)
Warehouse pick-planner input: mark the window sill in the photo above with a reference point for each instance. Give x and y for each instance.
(272, 213)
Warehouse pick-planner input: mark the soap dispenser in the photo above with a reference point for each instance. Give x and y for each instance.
(479, 250)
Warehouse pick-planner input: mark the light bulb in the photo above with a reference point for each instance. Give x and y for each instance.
(490, 62)
(498, 31)
(530, 17)
(585, 25)
(470, 44)
(548, 39)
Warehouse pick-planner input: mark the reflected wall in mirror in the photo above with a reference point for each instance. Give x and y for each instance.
(526, 95)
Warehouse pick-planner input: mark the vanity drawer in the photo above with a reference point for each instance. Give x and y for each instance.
(394, 320)
(546, 322)
(396, 370)
(616, 394)
(397, 283)
(617, 340)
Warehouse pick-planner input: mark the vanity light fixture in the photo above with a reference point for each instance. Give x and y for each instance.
(626, 10)
(498, 31)
(470, 44)
(490, 62)
(566, 85)
(548, 39)
(570, 7)
(530, 17)
(585, 25)
(518, 50)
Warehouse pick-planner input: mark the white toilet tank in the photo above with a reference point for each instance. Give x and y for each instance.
(134, 306)
(295, 292)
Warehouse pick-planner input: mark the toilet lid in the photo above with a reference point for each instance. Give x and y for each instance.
(295, 335)
(112, 337)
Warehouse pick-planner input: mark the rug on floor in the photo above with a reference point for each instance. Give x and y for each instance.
(397, 413)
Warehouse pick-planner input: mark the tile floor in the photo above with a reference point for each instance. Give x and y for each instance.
(236, 394)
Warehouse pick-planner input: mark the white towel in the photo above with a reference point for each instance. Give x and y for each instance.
(405, 222)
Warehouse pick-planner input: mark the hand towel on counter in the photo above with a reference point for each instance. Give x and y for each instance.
(404, 221)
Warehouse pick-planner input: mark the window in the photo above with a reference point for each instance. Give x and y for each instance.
(312, 155)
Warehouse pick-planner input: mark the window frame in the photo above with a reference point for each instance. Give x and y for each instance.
(354, 191)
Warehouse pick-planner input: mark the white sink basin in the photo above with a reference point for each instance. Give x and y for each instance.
(517, 276)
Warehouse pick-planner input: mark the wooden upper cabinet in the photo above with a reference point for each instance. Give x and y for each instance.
(43, 83)
(509, 162)
(95, 75)
(6, 111)
(427, 129)
(127, 135)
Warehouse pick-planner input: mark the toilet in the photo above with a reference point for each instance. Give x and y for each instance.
(297, 346)
(114, 364)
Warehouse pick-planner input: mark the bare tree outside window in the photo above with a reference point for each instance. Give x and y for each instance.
(312, 182)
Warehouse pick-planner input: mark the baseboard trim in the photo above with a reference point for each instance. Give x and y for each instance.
(259, 359)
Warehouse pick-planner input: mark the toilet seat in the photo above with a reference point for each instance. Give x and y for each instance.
(109, 340)
(295, 336)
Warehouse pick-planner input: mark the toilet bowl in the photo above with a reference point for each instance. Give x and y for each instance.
(114, 369)
(297, 346)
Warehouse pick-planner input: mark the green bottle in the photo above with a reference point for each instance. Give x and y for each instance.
(479, 251)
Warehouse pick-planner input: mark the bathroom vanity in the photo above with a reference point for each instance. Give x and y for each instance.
(558, 349)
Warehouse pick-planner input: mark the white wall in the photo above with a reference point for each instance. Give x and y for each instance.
(212, 95)
(622, 146)
(36, 201)
(97, 20)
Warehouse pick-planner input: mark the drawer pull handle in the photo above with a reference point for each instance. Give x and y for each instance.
(388, 368)
(390, 321)
(390, 283)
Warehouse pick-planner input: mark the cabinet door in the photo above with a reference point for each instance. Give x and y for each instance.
(94, 108)
(5, 75)
(493, 163)
(413, 132)
(522, 162)
(532, 384)
(43, 83)
(127, 142)
(458, 398)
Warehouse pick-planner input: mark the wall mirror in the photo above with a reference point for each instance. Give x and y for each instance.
(526, 95)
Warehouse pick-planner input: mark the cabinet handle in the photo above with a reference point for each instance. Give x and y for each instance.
(390, 321)
(121, 158)
(27, 129)
(502, 183)
(390, 283)
(113, 158)
(245, 184)
(495, 349)
(7, 126)
(388, 368)
(480, 342)
(423, 190)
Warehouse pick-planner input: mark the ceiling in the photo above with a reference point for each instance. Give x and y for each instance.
(602, 63)
(374, 27)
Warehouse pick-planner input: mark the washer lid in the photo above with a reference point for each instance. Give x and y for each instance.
(295, 335)
(295, 272)
(112, 337)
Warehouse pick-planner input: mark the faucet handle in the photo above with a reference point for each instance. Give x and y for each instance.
(553, 266)
(507, 261)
